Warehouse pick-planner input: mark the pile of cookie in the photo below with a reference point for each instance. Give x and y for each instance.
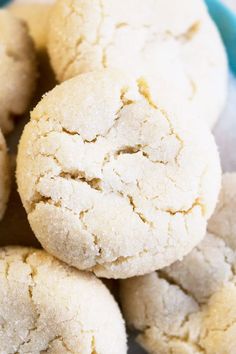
(120, 177)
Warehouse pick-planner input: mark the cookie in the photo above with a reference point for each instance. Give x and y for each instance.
(4, 176)
(112, 183)
(17, 69)
(190, 307)
(174, 46)
(48, 307)
(105, 141)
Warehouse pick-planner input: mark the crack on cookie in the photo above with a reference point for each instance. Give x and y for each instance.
(173, 132)
(120, 260)
(96, 240)
(144, 91)
(219, 330)
(94, 183)
(61, 340)
(162, 274)
(139, 214)
(169, 341)
(73, 59)
(121, 25)
(135, 149)
(33, 274)
(193, 87)
(102, 17)
(93, 346)
(190, 33)
(128, 149)
(71, 132)
(196, 203)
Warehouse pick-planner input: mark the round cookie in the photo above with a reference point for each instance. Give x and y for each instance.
(112, 183)
(190, 307)
(17, 69)
(4, 176)
(174, 46)
(48, 307)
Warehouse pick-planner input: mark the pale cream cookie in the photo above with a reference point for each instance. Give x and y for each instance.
(48, 307)
(174, 45)
(113, 183)
(190, 307)
(17, 69)
(4, 176)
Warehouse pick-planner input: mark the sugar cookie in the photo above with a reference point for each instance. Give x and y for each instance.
(112, 183)
(17, 69)
(174, 45)
(48, 307)
(190, 307)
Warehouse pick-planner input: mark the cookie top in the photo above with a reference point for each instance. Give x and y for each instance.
(190, 306)
(4, 175)
(113, 183)
(174, 46)
(17, 69)
(48, 307)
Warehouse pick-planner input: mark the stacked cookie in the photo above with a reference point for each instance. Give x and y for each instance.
(119, 173)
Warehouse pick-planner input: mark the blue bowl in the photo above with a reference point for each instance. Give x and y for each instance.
(226, 22)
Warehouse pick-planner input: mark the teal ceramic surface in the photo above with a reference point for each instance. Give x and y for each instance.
(226, 22)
